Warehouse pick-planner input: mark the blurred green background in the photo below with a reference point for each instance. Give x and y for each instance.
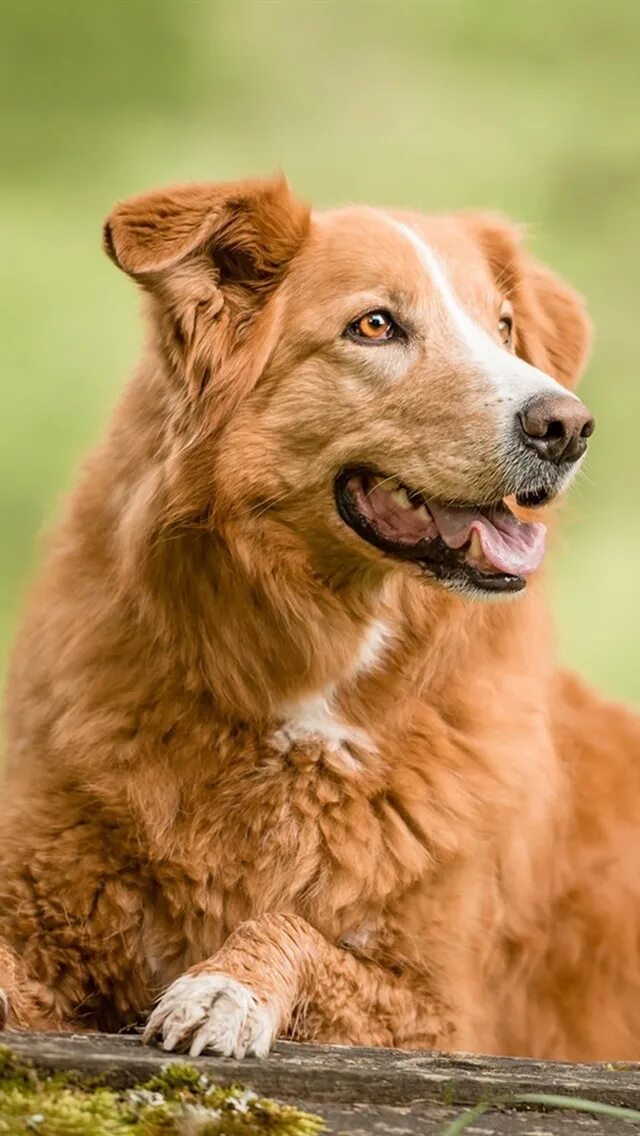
(531, 107)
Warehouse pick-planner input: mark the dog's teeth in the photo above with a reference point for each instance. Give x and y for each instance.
(400, 497)
(475, 548)
(391, 484)
(421, 512)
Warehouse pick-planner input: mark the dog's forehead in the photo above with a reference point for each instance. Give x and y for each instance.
(362, 248)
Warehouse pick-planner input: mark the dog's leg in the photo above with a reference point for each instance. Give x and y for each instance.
(24, 1003)
(278, 975)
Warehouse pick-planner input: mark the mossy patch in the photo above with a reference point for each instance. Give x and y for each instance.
(180, 1101)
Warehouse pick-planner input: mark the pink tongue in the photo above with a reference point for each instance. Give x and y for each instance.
(508, 545)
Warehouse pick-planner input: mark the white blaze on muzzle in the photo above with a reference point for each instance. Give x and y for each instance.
(513, 381)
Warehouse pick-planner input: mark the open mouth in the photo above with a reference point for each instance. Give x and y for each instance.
(483, 548)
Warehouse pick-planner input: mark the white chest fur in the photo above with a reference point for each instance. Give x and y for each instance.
(316, 718)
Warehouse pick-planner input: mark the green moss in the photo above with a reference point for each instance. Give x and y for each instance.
(12, 1069)
(180, 1101)
(177, 1082)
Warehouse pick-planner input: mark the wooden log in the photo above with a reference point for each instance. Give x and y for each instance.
(425, 1120)
(366, 1091)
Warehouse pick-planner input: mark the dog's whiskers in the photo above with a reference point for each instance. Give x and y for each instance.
(256, 511)
(582, 475)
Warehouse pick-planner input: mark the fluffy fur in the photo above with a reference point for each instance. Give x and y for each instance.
(243, 744)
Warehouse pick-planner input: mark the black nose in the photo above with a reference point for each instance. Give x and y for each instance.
(556, 426)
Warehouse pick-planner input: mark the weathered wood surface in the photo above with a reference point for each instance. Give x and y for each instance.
(369, 1091)
(426, 1120)
(342, 1074)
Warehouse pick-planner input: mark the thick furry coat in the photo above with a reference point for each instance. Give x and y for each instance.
(362, 807)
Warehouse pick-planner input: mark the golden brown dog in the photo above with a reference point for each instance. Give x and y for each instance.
(267, 751)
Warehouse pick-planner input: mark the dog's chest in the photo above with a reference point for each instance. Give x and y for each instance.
(294, 823)
(315, 726)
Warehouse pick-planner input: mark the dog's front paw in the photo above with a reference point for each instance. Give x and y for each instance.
(213, 1012)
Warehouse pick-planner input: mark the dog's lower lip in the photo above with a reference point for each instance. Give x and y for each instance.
(433, 556)
(533, 498)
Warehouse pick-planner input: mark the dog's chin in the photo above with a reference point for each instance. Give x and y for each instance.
(481, 550)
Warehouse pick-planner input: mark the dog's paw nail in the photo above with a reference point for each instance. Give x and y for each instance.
(212, 1012)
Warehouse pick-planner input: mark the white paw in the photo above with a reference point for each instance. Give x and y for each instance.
(214, 1012)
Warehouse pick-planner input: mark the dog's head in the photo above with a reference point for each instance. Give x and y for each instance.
(365, 388)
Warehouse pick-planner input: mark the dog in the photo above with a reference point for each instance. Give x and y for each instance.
(288, 751)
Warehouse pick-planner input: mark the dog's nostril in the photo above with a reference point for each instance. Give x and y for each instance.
(555, 429)
(588, 428)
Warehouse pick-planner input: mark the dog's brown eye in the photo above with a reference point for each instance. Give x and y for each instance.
(374, 326)
(505, 328)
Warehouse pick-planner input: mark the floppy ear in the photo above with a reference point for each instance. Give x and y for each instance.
(254, 226)
(210, 256)
(552, 329)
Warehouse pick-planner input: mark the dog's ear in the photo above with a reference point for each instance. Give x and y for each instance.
(251, 228)
(552, 330)
(210, 256)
